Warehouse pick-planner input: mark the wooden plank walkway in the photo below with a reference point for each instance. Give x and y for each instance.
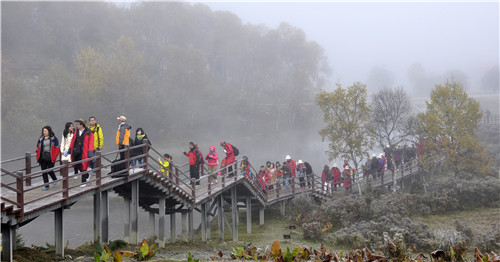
(36, 201)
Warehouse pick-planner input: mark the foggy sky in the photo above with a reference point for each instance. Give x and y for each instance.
(360, 36)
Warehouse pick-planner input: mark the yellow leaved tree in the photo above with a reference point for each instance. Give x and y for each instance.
(447, 129)
(346, 114)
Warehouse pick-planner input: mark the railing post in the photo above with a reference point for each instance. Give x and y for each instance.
(146, 153)
(223, 179)
(382, 178)
(312, 182)
(235, 170)
(20, 194)
(64, 174)
(98, 165)
(27, 158)
(293, 185)
(278, 189)
(127, 157)
(176, 176)
(210, 186)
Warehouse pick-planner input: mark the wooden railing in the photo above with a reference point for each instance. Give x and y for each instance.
(14, 181)
(19, 181)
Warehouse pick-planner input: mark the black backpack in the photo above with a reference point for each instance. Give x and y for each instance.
(199, 159)
(235, 151)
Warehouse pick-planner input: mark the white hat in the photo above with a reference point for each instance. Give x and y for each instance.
(347, 167)
(288, 157)
(335, 165)
(381, 155)
(122, 118)
(374, 155)
(387, 146)
(300, 161)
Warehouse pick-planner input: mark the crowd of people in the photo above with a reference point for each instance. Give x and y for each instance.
(84, 141)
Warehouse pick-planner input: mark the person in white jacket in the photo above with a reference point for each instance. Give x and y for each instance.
(66, 141)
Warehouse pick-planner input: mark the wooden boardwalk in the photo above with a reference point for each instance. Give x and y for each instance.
(23, 200)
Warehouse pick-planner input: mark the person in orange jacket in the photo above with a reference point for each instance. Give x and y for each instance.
(122, 134)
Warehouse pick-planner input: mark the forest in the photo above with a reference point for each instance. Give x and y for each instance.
(180, 71)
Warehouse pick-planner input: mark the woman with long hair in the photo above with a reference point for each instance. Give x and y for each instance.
(46, 154)
(67, 136)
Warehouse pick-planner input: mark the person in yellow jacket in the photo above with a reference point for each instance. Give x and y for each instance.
(122, 134)
(98, 139)
(165, 164)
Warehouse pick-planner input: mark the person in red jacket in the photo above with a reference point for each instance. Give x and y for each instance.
(291, 163)
(228, 149)
(336, 176)
(46, 154)
(194, 162)
(263, 178)
(81, 144)
(347, 177)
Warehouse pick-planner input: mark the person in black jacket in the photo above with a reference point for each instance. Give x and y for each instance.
(140, 135)
(309, 173)
(287, 173)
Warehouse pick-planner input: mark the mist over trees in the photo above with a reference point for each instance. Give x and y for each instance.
(180, 71)
(392, 121)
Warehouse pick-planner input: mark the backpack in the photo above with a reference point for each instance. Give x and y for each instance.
(199, 159)
(235, 151)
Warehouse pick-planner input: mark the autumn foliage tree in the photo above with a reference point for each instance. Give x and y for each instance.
(346, 114)
(448, 129)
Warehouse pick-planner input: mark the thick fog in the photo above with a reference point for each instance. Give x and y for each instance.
(246, 73)
(394, 44)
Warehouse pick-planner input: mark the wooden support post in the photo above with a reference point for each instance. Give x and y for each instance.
(209, 233)
(293, 185)
(97, 217)
(161, 221)
(134, 212)
(20, 193)
(59, 231)
(191, 224)
(220, 216)
(152, 225)
(126, 222)
(283, 208)
(27, 157)
(234, 209)
(261, 216)
(184, 218)
(8, 241)
(173, 229)
(249, 215)
(105, 216)
(204, 222)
